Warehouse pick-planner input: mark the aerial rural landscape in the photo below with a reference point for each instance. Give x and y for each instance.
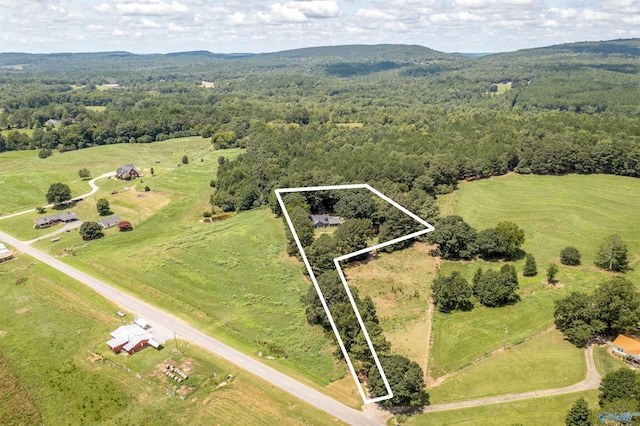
(221, 238)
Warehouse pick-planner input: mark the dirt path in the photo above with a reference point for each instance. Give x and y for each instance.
(591, 381)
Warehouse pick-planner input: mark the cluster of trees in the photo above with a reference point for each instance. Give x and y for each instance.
(618, 401)
(490, 288)
(365, 214)
(405, 377)
(458, 240)
(613, 308)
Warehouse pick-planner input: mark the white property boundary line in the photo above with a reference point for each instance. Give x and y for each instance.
(337, 260)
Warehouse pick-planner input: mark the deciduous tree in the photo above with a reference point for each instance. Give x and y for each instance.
(84, 173)
(570, 256)
(91, 231)
(452, 292)
(58, 193)
(511, 237)
(102, 205)
(612, 254)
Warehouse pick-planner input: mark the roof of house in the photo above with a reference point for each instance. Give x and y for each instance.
(325, 219)
(131, 334)
(109, 221)
(126, 169)
(629, 344)
(65, 217)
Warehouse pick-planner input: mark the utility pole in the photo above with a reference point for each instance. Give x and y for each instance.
(175, 339)
(506, 331)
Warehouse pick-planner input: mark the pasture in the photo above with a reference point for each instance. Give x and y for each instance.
(26, 178)
(555, 212)
(53, 342)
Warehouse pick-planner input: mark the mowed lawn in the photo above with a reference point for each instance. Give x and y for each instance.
(531, 412)
(554, 212)
(52, 333)
(543, 362)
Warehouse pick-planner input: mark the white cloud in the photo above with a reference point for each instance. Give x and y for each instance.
(151, 8)
(148, 23)
(282, 13)
(120, 33)
(177, 28)
(316, 8)
(237, 18)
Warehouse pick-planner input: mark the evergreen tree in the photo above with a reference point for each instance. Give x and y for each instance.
(530, 267)
(579, 414)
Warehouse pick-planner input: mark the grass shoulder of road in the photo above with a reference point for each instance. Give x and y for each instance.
(53, 337)
(546, 361)
(544, 411)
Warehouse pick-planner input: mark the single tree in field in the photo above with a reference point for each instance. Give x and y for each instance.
(612, 254)
(552, 271)
(58, 193)
(102, 205)
(511, 237)
(570, 256)
(91, 231)
(124, 226)
(530, 267)
(579, 414)
(84, 173)
(185, 159)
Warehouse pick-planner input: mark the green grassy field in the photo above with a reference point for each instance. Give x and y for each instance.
(52, 337)
(25, 177)
(555, 212)
(229, 278)
(539, 411)
(605, 362)
(543, 362)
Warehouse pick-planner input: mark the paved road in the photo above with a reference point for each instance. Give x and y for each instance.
(591, 381)
(189, 333)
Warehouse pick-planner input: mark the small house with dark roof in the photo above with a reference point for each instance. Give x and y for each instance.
(127, 172)
(109, 222)
(47, 221)
(324, 220)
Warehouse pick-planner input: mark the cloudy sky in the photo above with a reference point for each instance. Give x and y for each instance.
(223, 26)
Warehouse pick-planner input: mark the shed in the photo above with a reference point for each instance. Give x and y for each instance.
(109, 222)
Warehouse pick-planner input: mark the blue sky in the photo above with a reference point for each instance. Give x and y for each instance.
(162, 26)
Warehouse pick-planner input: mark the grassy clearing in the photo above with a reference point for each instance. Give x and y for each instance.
(28, 132)
(228, 278)
(398, 284)
(554, 212)
(53, 334)
(539, 411)
(544, 362)
(26, 178)
(96, 108)
(605, 361)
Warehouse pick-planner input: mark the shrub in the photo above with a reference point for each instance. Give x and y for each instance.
(147, 189)
(570, 256)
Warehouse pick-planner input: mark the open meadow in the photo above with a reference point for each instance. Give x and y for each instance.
(230, 278)
(57, 369)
